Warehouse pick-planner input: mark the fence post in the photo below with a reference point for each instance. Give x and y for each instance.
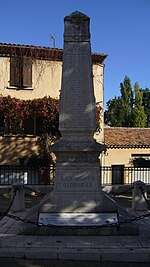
(139, 196)
(19, 200)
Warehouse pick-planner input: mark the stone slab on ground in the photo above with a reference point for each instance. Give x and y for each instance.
(124, 230)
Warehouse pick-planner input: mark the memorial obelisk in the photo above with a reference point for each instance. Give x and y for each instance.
(77, 183)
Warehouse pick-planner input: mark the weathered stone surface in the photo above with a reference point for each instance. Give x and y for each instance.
(77, 183)
(77, 114)
(139, 195)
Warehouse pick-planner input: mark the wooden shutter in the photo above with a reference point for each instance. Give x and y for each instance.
(27, 72)
(21, 71)
(15, 71)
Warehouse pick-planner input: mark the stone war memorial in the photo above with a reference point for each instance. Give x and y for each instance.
(77, 199)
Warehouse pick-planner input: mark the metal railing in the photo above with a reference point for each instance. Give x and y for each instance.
(124, 175)
(45, 175)
(10, 174)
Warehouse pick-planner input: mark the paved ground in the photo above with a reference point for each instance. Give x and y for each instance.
(67, 250)
(63, 263)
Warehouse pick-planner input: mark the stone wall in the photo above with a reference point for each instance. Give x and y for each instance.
(122, 156)
(46, 80)
(12, 148)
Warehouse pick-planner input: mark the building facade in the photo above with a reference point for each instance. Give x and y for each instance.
(33, 72)
(127, 148)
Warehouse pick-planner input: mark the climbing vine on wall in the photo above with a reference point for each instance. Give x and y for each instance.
(16, 112)
(45, 112)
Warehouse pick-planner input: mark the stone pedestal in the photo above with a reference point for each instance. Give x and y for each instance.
(19, 200)
(77, 183)
(138, 196)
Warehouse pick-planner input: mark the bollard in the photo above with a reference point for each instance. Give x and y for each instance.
(19, 200)
(138, 200)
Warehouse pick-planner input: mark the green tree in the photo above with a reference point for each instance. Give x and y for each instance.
(126, 102)
(113, 116)
(119, 109)
(138, 114)
(146, 104)
(126, 110)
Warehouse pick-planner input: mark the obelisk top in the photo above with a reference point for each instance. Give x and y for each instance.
(77, 27)
(76, 15)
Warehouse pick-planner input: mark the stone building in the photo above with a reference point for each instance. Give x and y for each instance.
(127, 148)
(32, 72)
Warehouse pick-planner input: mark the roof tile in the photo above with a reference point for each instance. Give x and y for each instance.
(122, 137)
(7, 49)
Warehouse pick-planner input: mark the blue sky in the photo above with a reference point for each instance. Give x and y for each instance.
(119, 28)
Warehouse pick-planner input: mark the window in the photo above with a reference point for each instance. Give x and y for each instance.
(21, 71)
(30, 126)
(1, 122)
(117, 174)
(141, 160)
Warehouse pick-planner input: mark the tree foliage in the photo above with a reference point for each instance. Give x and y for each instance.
(139, 116)
(146, 104)
(127, 110)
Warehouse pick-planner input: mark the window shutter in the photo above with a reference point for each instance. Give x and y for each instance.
(15, 71)
(27, 72)
(29, 126)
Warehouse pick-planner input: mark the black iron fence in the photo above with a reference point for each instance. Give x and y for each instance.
(10, 174)
(45, 175)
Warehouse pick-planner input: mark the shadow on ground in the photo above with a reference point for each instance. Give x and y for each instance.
(63, 263)
(31, 199)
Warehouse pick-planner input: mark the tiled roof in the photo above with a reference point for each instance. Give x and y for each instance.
(122, 137)
(41, 52)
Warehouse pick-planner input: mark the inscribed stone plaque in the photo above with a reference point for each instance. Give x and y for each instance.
(74, 180)
(77, 219)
